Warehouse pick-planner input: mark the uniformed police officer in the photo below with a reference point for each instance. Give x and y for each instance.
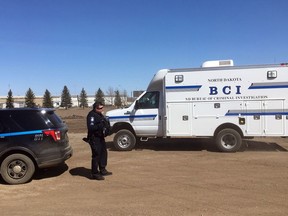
(98, 128)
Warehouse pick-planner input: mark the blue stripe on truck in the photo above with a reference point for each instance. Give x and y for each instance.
(133, 117)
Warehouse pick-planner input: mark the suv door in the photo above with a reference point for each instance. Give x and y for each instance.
(3, 139)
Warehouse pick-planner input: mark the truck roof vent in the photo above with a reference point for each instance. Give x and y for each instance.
(218, 63)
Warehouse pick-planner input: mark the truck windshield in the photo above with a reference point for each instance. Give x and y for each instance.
(149, 100)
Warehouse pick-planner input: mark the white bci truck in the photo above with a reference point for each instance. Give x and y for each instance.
(218, 100)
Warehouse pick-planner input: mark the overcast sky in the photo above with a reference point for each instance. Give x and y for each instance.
(121, 44)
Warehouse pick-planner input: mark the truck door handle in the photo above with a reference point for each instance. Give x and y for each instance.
(127, 113)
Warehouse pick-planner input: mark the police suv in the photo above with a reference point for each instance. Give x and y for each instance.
(31, 138)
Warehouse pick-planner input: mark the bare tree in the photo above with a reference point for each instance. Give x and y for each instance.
(124, 97)
(110, 95)
(118, 101)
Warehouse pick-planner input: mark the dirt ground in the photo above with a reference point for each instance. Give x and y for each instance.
(168, 177)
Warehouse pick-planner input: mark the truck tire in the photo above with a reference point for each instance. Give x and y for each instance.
(124, 140)
(17, 169)
(228, 140)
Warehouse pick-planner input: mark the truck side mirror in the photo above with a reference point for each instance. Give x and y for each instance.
(136, 105)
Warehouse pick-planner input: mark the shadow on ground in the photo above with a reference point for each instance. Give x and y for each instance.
(81, 171)
(200, 144)
(50, 172)
(252, 145)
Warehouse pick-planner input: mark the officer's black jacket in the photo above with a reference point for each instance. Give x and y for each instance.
(95, 124)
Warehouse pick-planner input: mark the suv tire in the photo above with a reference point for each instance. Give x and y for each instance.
(17, 169)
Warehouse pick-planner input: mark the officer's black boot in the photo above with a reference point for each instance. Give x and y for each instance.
(97, 176)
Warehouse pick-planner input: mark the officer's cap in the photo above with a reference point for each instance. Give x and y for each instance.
(97, 104)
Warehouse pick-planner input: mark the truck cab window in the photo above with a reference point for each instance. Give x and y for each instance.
(149, 100)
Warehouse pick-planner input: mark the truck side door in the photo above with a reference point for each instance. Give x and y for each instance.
(179, 116)
(265, 118)
(146, 116)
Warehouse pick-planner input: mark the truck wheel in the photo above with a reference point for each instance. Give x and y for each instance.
(124, 140)
(17, 169)
(228, 140)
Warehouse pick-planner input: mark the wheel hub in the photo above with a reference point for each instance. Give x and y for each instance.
(229, 141)
(124, 140)
(17, 169)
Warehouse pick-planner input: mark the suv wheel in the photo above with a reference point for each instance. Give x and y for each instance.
(17, 169)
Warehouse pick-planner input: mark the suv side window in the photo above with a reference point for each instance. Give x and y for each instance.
(2, 130)
(149, 100)
(1, 127)
(6, 124)
(28, 121)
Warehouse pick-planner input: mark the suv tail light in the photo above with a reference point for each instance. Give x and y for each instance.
(55, 134)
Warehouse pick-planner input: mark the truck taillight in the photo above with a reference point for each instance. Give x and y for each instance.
(55, 134)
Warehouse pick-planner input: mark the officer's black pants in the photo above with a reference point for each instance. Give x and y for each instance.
(99, 154)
